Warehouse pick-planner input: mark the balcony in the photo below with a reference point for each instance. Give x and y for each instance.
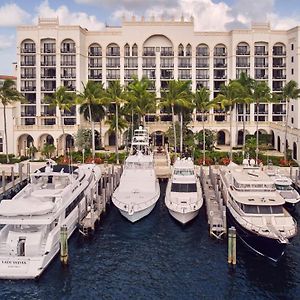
(113, 53)
(149, 53)
(167, 77)
(202, 76)
(202, 53)
(48, 76)
(242, 52)
(113, 65)
(28, 50)
(222, 77)
(186, 77)
(243, 65)
(220, 53)
(28, 89)
(220, 65)
(28, 76)
(150, 66)
(261, 53)
(112, 76)
(48, 63)
(184, 65)
(48, 88)
(282, 65)
(167, 53)
(70, 88)
(279, 53)
(68, 63)
(68, 76)
(99, 65)
(168, 66)
(68, 50)
(261, 77)
(202, 65)
(99, 76)
(280, 77)
(95, 53)
(28, 63)
(277, 88)
(48, 50)
(259, 65)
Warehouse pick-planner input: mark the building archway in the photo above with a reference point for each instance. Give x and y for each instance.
(159, 138)
(221, 137)
(272, 138)
(240, 138)
(25, 141)
(111, 139)
(278, 144)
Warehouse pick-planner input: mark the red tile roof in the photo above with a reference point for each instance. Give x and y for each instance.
(3, 77)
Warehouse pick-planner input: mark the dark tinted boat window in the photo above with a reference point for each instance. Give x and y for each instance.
(277, 209)
(265, 209)
(184, 187)
(250, 209)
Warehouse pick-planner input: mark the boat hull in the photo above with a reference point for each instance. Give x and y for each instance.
(136, 216)
(268, 247)
(183, 218)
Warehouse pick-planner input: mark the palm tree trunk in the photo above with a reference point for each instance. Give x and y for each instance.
(286, 129)
(230, 133)
(174, 129)
(117, 137)
(93, 132)
(100, 134)
(63, 131)
(181, 133)
(5, 133)
(257, 135)
(244, 128)
(204, 141)
(132, 123)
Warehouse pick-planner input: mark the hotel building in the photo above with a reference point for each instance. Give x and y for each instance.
(50, 55)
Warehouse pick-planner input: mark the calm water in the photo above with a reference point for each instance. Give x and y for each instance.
(156, 258)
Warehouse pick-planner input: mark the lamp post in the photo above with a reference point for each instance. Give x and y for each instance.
(83, 151)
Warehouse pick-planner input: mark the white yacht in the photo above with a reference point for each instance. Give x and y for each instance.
(30, 236)
(183, 194)
(139, 188)
(256, 210)
(284, 186)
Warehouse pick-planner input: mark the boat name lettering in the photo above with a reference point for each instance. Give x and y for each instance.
(14, 262)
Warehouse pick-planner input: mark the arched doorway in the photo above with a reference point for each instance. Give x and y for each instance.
(112, 139)
(25, 142)
(295, 151)
(70, 143)
(158, 138)
(221, 137)
(278, 144)
(240, 139)
(272, 138)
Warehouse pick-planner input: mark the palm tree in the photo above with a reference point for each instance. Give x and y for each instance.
(92, 95)
(8, 95)
(202, 104)
(248, 83)
(289, 91)
(176, 96)
(143, 101)
(116, 95)
(261, 94)
(229, 95)
(64, 100)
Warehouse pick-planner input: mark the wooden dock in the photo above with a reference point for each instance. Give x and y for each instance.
(162, 164)
(215, 208)
(108, 183)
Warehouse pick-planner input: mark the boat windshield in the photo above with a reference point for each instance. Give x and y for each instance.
(184, 187)
(184, 172)
(139, 165)
(280, 187)
(262, 209)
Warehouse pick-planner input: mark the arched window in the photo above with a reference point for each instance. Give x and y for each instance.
(68, 46)
(180, 50)
(188, 50)
(134, 50)
(113, 50)
(95, 50)
(126, 50)
(28, 46)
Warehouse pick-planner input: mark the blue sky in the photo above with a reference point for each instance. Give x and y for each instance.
(94, 14)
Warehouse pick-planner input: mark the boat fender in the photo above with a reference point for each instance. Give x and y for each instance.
(131, 211)
(195, 207)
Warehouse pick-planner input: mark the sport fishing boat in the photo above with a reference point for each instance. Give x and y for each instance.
(284, 186)
(139, 189)
(30, 236)
(256, 209)
(183, 194)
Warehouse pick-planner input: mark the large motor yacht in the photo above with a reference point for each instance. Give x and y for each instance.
(139, 189)
(30, 236)
(183, 194)
(256, 209)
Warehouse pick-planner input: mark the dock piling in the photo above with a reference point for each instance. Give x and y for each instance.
(232, 246)
(3, 181)
(64, 245)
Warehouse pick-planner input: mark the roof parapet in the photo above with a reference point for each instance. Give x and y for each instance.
(48, 21)
(261, 25)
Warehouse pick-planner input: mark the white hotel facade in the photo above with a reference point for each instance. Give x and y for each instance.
(50, 55)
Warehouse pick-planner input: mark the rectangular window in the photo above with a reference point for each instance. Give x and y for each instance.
(292, 59)
(1, 144)
(292, 71)
(292, 47)
(184, 187)
(292, 120)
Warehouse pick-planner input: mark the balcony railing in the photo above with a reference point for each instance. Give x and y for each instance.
(279, 53)
(113, 65)
(261, 77)
(242, 65)
(68, 63)
(95, 65)
(184, 65)
(68, 50)
(48, 63)
(48, 51)
(28, 50)
(28, 63)
(257, 65)
(202, 65)
(279, 76)
(113, 53)
(47, 76)
(220, 65)
(202, 76)
(220, 53)
(261, 53)
(167, 53)
(149, 53)
(242, 52)
(68, 76)
(204, 53)
(112, 76)
(48, 88)
(28, 88)
(95, 76)
(282, 65)
(220, 76)
(95, 53)
(149, 65)
(28, 76)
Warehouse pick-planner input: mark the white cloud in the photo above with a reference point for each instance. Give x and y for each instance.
(12, 15)
(6, 41)
(68, 17)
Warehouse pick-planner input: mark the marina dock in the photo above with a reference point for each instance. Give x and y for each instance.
(215, 208)
(162, 163)
(108, 183)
